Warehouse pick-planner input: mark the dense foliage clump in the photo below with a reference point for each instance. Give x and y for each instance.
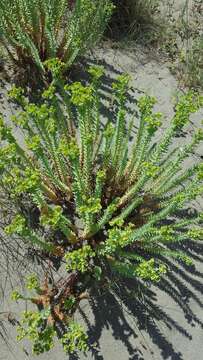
(104, 198)
(33, 31)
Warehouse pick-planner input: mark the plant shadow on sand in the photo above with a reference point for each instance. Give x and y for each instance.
(130, 309)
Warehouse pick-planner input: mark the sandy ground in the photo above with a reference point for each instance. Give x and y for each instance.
(168, 322)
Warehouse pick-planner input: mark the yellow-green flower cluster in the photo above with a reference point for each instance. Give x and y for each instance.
(80, 95)
(150, 170)
(78, 260)
(17, 226)
(52, 216)
(96, 71)
(148, 270)
(75, 338)
(92, 206)
(188, 104)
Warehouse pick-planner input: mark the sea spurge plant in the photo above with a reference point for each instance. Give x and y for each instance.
(16, 93)
(146, 269)
(33, 32)
(32, 282)
(17, 226)
(55, 66)
(74, 339)
(79, 259)
(30, 326)
(120, 87)
(104, 198)
(80, 95)
(40, 326)
(96, 72)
